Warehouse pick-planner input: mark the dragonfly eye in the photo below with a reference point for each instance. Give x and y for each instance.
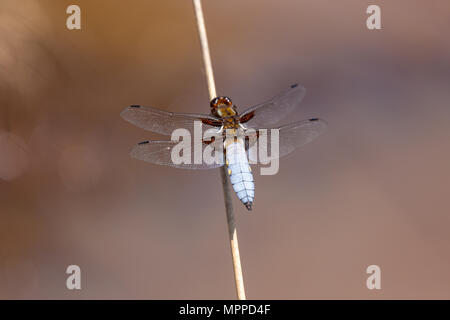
(221, 102)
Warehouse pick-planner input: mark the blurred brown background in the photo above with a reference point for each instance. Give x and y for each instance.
(373, 190)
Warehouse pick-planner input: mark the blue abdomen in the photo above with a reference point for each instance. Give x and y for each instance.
(240, 173)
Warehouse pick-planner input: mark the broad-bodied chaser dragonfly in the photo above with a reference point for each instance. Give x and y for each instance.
(224, 118)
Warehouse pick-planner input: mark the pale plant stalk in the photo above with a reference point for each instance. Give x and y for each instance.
(223, 173)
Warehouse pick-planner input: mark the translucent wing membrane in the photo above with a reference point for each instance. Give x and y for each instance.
(276, 109)
(160, 152)
(291, 136)
(209, 153)
(297, 134)
(164, 122)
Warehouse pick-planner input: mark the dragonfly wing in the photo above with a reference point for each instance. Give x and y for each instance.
(297, 134)
(276, 109)
(160, 152)
(291, 136)
(165, 122)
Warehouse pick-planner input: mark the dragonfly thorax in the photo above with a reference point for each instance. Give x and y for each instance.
(222, 107)
(230, 123)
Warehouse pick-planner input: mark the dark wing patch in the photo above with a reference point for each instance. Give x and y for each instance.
(211, 122)
(246, 117)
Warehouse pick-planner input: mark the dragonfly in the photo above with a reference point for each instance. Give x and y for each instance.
(223, 119)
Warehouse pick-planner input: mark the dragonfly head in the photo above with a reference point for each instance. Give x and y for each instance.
(222, 107)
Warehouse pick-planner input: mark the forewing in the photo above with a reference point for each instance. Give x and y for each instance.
(276, 109)
(165, 122)
(160, 152)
